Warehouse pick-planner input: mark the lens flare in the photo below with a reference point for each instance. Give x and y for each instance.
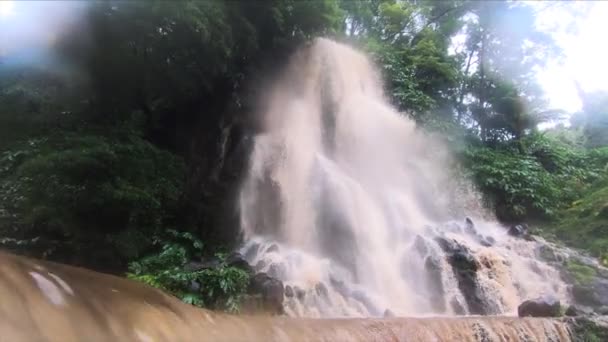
(7, 8)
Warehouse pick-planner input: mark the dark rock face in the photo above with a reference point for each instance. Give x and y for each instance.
(435, 283)
(420, 246)
(321, 290)
(237, 260)
(465, 268)
(277, 271)
(260, 265)
(364, 299)
(469, 226)
(300, 293)
(540, 307)
(457, 307)
(288, 291)
(388, 314)
(193, 266)
(273, 248)
(594, 294)
(272, 292)
(519, 230)
(252, 251)
(575, 310)
(586, 329)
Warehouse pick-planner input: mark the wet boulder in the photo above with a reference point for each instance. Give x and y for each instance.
(260, 265)
(271, 290)
(486, 241)
(576, 310)
(540, 307)
(435, 283)
(594, 293)
(288, 291)
(321, 290)
(421, 246)
(252, 251)
(519, 230)
(194, 265)
(388, 314)
(469, 226)
(277, 270)
(465, 268)
(300, 293)
(457, 307)
(237, 260)
(272, 248)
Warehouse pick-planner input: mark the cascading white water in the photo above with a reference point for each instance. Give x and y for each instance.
(353, 207)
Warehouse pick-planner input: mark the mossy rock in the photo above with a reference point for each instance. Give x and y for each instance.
(603, 213)
(582, 274)
(584, 329)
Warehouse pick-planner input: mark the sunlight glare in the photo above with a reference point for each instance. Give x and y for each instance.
(6, 8)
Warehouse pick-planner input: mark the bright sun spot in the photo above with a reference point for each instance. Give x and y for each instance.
(6, 8)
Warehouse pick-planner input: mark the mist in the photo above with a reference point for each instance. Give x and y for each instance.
(29, 30)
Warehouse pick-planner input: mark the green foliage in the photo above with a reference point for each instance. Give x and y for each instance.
(547, 177)
(582, 274)
(595, 116)
(585, 223)
(78, 188)
(221, 287)
(586, 330)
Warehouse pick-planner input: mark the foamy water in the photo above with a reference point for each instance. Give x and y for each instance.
(349, 204)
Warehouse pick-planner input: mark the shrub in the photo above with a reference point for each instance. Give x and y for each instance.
(82, 190)
(220, 287)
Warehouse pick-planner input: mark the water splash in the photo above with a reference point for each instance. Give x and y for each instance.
(352, 206)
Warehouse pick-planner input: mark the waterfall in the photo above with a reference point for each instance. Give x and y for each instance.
(359, 213)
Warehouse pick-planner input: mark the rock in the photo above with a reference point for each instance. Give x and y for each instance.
(364, 299)
(435, 283)
(195, 286)
(300, 293)
(465, 269)
(547, 253)
(587, 329)
(277, 271)
(193, 266)
(519, 230)
(321, 290)
(457, 307)
(273, 248)
(572, 311)
(593, 294)
(469, 226)
(260, 265)
(420, 246)
(388, 314)
(288, 291)
(575, 310)
(252, 251)
(485, 241)
(237, 260)
(603, 310)
(271, 289)
(339, 286)
(541, 307)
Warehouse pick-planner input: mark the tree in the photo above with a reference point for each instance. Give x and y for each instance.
(499, 93)
(594, 117)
